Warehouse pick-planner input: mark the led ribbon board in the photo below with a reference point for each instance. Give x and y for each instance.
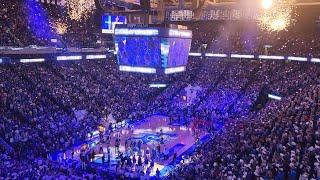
(174, 70)
(317, 60)
(101, 56)
(215, 55)
(67, 58)
(271, 57)
(242, 56)
(136, 32)
(297, 58)
(195, 54)
(32, 60)
(138, 69)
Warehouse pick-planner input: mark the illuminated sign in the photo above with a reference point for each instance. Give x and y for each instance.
(215, 55)
(242, 56)
(179, 15)
(271, 96)
(102, 56)
(66, 58)
(157, 85)
(16, 49)
(195, 54)
(297, 58)
(138, 69)
(174, 70)
(109, 23)
(138, 32)
(180, 33)
(32, 60)
(315, 60)
(271, 57)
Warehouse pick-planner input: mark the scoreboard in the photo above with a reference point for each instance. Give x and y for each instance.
(109, 22)
(159, 48)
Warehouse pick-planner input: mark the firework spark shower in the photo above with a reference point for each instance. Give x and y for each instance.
(278, 16)
(80, 9)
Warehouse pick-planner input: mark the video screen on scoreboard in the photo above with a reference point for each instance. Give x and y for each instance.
(109, 23)
(175, 52)
(138, 51)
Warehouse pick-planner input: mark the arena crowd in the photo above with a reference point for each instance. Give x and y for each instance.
(279, 140)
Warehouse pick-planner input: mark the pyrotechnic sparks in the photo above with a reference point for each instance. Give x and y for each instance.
(60, 27)
(80, 9)
(278, 16)
(267, 4)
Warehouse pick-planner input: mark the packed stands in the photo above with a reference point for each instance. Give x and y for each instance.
(39, 102)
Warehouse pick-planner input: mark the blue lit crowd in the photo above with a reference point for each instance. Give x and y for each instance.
(39, 100)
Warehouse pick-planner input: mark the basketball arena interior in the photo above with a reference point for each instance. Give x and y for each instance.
(160, 89)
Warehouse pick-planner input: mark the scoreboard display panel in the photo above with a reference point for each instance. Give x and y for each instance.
(109, 22)
(156, 48)
(177, 52)
(138, 51)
